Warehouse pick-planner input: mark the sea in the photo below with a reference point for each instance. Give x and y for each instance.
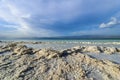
(65, 43)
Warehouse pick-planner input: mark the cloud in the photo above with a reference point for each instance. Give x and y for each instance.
(112, 23)
(28, 18)
(12, 14)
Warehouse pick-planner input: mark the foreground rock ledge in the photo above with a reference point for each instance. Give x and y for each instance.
(45, 64)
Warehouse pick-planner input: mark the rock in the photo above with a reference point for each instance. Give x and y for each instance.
(48, 64)
(36, 42)
(118, 49)
(83, 49)
(11, 45)
(19, 49)
(7, 48)
(22, 49)
(109, 50)
(36, 50)
(76, 47)
(94, 49)
(47, 53)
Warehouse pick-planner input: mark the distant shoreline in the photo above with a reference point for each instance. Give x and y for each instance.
(59, 38)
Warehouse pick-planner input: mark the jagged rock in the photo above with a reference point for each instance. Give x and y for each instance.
(96, 49)
(48, 64)
(47, 53)
(22, 49)
(19, 48)
(36, 42)
(36, 50)
(109, 50)
(7, 48)
(30, 42)
(11, 45)
(118, 49)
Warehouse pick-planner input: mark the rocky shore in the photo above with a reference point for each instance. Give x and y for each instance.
(24, 63)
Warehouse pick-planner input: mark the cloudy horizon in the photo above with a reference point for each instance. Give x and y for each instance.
(49, 18)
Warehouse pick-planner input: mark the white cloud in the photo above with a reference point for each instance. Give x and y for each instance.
(29, 17)
(12, 14)
(112, 23)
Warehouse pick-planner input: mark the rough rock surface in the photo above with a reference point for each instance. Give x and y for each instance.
(97, 49)
(45, 64)
(7, 48)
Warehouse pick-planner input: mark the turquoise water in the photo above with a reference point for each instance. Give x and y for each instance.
(65, 40)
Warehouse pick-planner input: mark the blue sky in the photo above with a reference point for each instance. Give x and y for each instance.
(49, 18)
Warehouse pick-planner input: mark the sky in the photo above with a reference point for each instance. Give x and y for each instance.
(50, 18)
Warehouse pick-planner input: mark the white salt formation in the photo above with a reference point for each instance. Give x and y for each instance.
(46, 64)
